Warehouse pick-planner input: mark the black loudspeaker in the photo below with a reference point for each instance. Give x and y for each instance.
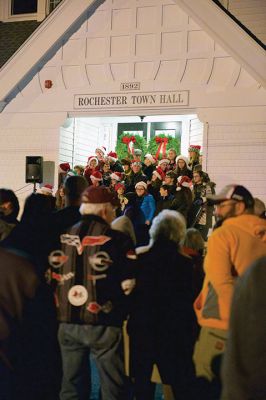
(34, 169)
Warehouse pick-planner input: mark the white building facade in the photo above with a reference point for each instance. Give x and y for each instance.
(118, 58)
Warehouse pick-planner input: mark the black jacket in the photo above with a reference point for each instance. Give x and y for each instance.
(98, 258)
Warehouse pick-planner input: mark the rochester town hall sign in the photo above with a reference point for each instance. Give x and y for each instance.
(131, 100)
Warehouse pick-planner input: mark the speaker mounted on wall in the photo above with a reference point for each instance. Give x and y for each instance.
(34, 169)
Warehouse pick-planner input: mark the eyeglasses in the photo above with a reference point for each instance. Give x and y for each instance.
(140, 189)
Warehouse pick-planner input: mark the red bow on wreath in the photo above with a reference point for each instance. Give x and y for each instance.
(129, 141)
(162, 146)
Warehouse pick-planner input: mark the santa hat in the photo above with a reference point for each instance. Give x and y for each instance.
(113, 155)
(141, 184)
(117, 176)
(150, 157)
(163, 161)
(46, 189)
(194, 147)
(91, 158)
(64, 167)
(180, 157)
(101, 149)
(96, 176)
(184, 181)
(119, 185)
(159, 173)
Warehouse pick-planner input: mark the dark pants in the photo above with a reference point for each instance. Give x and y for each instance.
(174, 364)
(106, 346)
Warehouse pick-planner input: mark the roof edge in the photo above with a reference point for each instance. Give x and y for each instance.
(236, 41)
(61, 24)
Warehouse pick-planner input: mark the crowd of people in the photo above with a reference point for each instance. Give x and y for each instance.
(145, 186)
(115, 267)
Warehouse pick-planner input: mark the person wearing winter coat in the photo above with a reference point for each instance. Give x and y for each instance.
(146, 205)
(161, 318)
(232, 247)
(166, 199)
(203, 211)
(243, 368)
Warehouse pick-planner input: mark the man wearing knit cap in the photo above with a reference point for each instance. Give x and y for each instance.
(94, 277)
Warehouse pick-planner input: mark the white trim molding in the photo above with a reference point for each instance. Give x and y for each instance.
(44, 38)
(6, 16)
(250, 55)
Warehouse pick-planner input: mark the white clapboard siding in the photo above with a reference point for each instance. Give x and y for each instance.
(196, 132)
(236, 154)
(79, 140)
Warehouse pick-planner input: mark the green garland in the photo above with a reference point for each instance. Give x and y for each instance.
(173, 143)
(121, 148)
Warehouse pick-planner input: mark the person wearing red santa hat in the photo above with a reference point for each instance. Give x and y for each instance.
(63, 169)
(96, 178)
(183, 195)
(47, 190)
(115, 164)
(92, 166)
(149, 166)
(116, 177)
(157, 179)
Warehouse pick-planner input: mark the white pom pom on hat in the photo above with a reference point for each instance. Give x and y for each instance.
(164, 161)
(180, 157)
(117, 176)
(141, 184)
(150, 157)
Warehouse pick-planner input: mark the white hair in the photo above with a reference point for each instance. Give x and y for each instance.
(168, 225)
(93, 208)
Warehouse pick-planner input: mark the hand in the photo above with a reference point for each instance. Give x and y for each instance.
(128, 285)
(147, 223)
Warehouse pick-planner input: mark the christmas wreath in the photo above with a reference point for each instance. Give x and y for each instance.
(127, 143)
(159, 145)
